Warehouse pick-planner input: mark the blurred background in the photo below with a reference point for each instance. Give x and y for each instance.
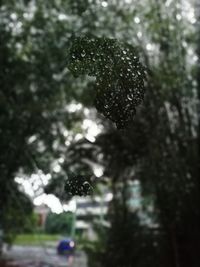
(144, 209)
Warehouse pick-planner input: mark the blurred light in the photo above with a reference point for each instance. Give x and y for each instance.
(139, 34)
(195, 58)
(136, 182)
(87, 124)
(104, 4)
(78, 137)
(57, 168)
(62, 17)
(48, 176)
(191, 16)
(66, 133)
(71, 244)
(13, 16)
(67, 142)
(168, 2)
(178, 17)
(61, 160)
(98, 171)
(51, 201)
(90, 138)
(33, 30)
(137, 20)
(149, 47)
(109, 197)
(32, 139)
(70, 206)
(28, 16)
(73, 107)
(92, 129)
(26, 185)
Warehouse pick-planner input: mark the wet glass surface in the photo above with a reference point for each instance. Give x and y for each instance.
(99, 133)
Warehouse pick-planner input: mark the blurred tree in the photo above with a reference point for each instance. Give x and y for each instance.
(167, 161)
(33, 98)
(59, 223)
(29, 225)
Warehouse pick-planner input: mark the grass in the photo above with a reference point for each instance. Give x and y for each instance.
(35, 239)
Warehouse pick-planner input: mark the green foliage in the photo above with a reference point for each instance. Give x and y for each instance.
(30, 224)
(33, 97)
(59, 223)
(96, 250)
(15, 215)
(35, 239)
(131, 241)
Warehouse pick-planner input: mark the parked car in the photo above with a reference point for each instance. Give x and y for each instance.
(66, 246)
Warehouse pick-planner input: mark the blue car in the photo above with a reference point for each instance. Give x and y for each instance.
(66, 246)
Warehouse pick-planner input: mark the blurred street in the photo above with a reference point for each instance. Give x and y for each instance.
(32, 256)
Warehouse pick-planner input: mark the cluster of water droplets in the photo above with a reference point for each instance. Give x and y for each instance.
(119, 75)
(78, 186)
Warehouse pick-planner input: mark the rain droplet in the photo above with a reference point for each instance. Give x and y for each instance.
(83, 53)
(130, 97)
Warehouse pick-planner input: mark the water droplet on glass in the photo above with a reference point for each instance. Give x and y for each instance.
(83, 54)
(130, 97)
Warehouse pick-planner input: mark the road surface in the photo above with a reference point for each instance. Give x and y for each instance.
(31, 256)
